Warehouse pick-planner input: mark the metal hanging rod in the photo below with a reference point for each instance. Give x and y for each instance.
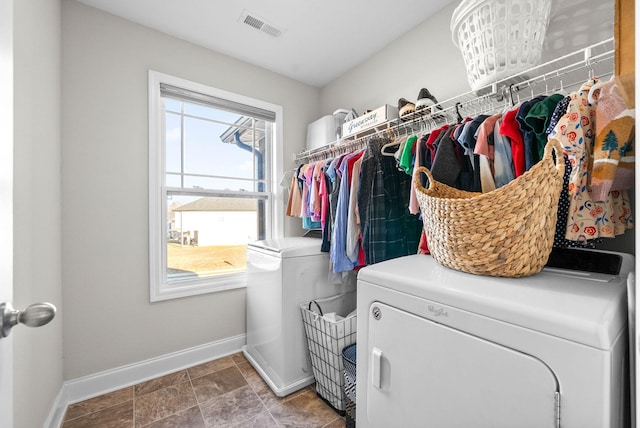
(562, 73)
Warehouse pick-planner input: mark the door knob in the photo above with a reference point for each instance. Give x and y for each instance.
(34, 315)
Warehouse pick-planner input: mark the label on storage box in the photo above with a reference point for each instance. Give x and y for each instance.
(366, 121)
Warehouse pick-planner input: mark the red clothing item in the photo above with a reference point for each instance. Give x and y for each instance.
(423, 247)
(432, 139)
(510, 128)
(324, 199)
(350, 163)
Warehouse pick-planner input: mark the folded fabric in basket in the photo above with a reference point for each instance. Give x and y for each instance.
(333, 317)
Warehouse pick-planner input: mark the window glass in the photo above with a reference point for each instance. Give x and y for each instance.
(208, 153)
(173, 141)
(172, 105)
(208, 236)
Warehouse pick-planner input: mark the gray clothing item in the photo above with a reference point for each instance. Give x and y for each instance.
(503, 160)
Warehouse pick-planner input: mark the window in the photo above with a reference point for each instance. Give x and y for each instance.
(211, 173)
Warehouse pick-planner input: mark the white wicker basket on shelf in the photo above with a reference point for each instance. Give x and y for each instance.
(499, 38)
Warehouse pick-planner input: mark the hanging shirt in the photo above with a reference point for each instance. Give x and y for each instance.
(509, 128)
(337, 254)
(353, 219)
(294, 203)
(414, 206)
(304, 212)
(309, 221)
(560, 110)
(446, 166)
(387, 228)
(485, 149)
(325, 193)
(528, 135)
(315, 200)
(503, 161)
(538, 119)
(431, 146)
(406, 159)
(467, 137)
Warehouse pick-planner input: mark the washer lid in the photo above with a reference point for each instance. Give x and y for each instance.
(588, 309)
(294, 246)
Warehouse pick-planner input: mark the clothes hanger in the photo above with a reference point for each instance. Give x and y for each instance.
(459, 117)
(513, 103)
(383, 149)
(592, 97)
(393, 143)
(589, 64)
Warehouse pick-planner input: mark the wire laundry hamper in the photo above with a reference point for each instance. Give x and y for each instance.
(326, 340)
(506, 232)
(499, 38)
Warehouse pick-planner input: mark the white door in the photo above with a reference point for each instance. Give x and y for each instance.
(6, 202)
(425, 374)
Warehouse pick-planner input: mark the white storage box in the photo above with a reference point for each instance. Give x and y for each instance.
(369, 120)
(321, 132)
(325, 130)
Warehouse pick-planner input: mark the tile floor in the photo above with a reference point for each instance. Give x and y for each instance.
(227, 392)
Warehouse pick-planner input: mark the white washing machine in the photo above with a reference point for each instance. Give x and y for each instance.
(441, 348)
(282, 274)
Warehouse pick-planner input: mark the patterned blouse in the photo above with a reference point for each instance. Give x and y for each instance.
(586, 218)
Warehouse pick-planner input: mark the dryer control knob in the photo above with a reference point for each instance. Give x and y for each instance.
(376, 312)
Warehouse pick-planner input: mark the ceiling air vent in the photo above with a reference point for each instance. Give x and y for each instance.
(252, 20)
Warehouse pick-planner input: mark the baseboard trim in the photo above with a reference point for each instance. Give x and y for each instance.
(86, 387)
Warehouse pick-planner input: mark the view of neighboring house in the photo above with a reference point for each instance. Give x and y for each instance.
(214, 221)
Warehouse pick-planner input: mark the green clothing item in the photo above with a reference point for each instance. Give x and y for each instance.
(538, 119)
(406, 157)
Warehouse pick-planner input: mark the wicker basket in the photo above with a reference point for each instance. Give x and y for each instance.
(499, 38)
(506, 232)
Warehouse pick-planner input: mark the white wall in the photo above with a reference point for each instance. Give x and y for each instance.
(108, 319)
(424, 57)
(37, 258)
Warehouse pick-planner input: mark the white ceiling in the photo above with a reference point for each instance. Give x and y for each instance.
(320, 40)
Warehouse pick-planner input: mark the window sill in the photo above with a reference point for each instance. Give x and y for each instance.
(192, 288)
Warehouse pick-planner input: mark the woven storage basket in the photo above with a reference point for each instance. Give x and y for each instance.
(506, 232)
(499, 38)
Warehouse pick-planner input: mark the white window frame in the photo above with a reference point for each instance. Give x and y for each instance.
(159, 288)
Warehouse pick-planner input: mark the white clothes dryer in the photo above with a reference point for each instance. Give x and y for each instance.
(282, 274)
(441, 348)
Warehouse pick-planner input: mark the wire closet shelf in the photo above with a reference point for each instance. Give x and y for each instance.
(562, 74)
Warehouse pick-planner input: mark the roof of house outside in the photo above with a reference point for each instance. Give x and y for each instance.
(219, 204)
